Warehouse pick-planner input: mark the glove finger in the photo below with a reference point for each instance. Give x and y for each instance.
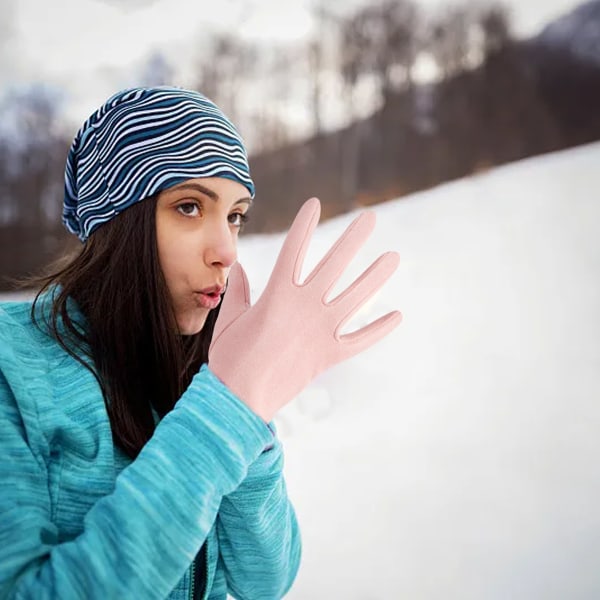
(236, 300)
(332, 265)
(291, 257)
(357, 341)
(366, 286)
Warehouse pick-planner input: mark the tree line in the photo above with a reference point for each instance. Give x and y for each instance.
(347, 115)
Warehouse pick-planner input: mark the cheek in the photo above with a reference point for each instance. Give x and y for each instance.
(175, 255)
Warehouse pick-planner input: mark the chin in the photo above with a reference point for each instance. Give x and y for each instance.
(191, 330)
(191, 324)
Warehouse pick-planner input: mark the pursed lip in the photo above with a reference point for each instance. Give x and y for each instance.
(209, 298)
(214, 290)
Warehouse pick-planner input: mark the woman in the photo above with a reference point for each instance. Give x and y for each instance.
(139, 455)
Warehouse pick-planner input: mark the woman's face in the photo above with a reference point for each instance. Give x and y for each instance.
(197, 226)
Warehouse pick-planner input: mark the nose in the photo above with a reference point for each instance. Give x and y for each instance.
(221, 246)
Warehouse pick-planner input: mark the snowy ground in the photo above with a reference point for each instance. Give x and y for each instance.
(460, 458)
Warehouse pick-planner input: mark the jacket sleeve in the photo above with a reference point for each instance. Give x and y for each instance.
(259, 539)
(159, 513)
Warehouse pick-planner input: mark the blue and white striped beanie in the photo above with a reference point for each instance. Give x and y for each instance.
(142, 141)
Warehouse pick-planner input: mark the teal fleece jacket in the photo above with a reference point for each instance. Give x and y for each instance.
(202, 512)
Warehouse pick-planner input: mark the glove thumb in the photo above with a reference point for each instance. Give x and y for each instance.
(236, 300)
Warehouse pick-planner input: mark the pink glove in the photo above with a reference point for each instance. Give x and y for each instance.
(267, 353)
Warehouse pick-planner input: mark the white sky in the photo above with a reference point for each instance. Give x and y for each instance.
(92, 47)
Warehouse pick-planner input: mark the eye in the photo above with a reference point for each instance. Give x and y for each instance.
(238, 219)
(189, 209)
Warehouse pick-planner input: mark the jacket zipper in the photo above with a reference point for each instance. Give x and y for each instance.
(204, 572)
(193, 579)
(204, 575)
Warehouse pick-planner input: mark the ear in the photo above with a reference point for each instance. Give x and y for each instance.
(236, 300)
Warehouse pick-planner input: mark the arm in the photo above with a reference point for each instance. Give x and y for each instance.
(259, 539)
(267, 353)
(157, 513)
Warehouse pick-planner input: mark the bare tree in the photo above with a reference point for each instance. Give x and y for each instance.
(32, 155)
(226, 64)
(381, 40)
(495, 28)
(34, 180)
(315, 58)
(452, 39)
(354, 56)
(270, 131)
(378, 45)
(396, 55)
(157, 70)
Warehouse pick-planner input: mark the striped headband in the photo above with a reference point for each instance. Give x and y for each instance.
(142, 141)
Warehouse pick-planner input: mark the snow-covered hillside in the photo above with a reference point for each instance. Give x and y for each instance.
(460, 458)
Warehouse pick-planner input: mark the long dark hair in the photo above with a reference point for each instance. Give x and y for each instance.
(130, 340)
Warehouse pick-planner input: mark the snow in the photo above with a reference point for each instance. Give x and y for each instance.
(459, 458)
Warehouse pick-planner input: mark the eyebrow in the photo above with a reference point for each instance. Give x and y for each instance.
(207, 192)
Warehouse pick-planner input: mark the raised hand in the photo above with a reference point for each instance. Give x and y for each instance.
(267, 353)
